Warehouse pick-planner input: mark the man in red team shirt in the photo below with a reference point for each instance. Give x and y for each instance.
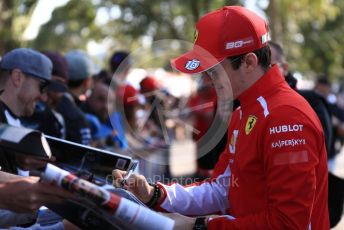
(273, 173)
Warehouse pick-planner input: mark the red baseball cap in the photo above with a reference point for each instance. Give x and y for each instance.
(227, 32)
(128, 94)
(148, 84)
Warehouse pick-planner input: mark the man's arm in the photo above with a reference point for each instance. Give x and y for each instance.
(6, 177)
(203, 198)
(26, 194)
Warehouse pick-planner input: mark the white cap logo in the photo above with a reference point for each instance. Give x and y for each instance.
(192, 64)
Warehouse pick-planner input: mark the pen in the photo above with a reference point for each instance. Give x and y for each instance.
(131, 170)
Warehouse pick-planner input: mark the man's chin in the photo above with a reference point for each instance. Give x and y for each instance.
(28, 112)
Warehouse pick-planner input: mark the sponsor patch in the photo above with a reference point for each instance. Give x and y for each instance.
(286, 143)
(290, 158)
(251, 121)
(286, 129)
(192, 64)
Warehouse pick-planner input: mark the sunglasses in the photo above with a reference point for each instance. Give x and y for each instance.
(43, 86)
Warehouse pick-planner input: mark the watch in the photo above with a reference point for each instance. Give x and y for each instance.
(200, 224)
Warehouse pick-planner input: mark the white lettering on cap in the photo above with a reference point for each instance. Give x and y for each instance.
(239, 43)
(192, 64)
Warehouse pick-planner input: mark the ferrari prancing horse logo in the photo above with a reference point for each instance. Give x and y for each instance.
(251, 121)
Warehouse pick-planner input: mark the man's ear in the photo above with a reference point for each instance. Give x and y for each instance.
(250, 62)
(285, 67)
(88, 83)
(16, 78)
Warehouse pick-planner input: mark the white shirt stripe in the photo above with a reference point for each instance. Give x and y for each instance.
(207, 198)
(263, 103)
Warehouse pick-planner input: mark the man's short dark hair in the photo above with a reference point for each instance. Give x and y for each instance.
(103, 76)
(4, 76)
(4, 72)
(75, 84)
(263, 55)
(323, 80)
(117, 59)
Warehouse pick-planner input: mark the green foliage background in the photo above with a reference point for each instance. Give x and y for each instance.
(311, 31)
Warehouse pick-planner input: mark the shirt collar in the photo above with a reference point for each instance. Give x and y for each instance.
(9, 110)
(14, 121)
(265, 85)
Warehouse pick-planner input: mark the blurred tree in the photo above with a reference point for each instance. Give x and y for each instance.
(14, 18)
(311, 30)
(162, 19)
(136, 24)
(143, 22)
(323, 43)
(71, 27)
(300, 27)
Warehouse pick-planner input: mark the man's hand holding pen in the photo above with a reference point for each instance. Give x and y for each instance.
(134, 183)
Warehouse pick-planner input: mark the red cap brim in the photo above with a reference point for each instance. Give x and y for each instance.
(195, 61)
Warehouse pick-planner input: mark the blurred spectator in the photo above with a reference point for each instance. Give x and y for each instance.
(127, 98)
(202, 106)
(100, 102)
(340, 95)
(79, 71)
(278, 58)
(153, 125)
(100, 106)
(102, 76)
(120, 64)
(148, 85)
(126, 95)
(323, 86)
(24, 76)
(336, 184)
(45, 117)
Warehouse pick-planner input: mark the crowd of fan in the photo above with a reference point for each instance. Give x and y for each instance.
(103, 110)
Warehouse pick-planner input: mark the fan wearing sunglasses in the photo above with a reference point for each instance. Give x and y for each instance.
(24, 77)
